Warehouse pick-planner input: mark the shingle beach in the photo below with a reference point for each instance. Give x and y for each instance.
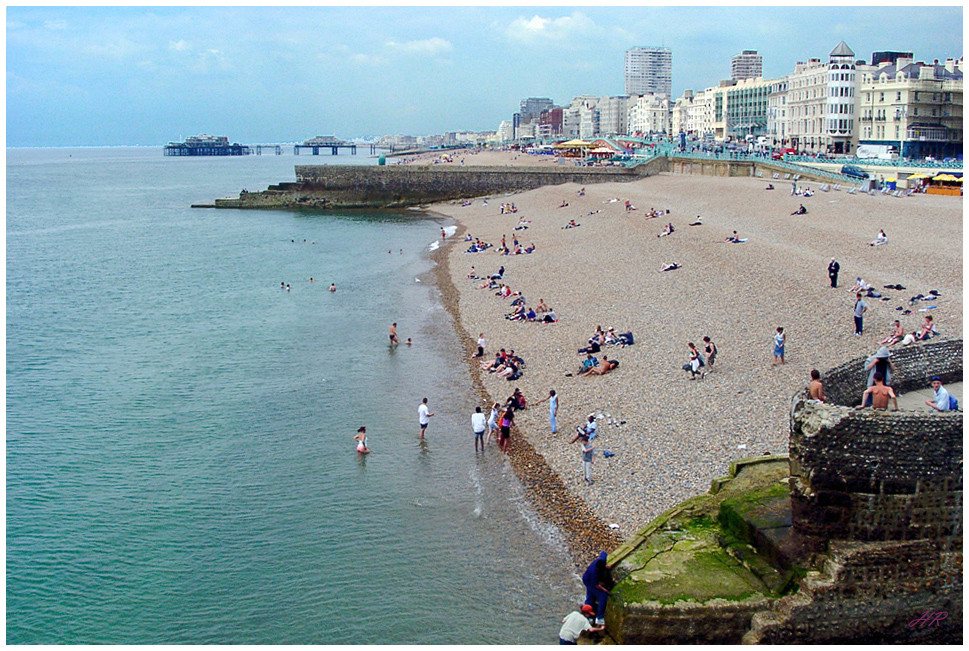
(678, 434)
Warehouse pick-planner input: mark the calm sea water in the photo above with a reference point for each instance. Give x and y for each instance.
(180, 463)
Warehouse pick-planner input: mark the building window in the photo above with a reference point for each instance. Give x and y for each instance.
(898, 96)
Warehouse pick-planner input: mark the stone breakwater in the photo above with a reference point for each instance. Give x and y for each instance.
(350, 186)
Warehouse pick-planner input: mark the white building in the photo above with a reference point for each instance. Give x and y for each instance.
(746, 65)
(613, 113)
(506, 131)
(649, 70)
(649, 114)
(821, 103)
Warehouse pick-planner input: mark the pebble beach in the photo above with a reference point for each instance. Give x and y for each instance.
(673, 434)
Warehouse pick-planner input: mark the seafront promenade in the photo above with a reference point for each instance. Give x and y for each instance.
(678, 434)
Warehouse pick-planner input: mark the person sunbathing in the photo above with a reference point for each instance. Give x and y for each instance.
(564, 204)
(571, 224)
(667, 231)
(606, 366)
(896, 335)
(770, 186)
(800, 211)
(670, 267)
(860, 286)
(927, 331)
(541, 307)
(733, 238)
(698, 221)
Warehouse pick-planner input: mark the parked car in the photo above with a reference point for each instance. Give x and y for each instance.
(854, 171)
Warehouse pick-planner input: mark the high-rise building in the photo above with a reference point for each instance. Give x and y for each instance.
(746, 65)
(532, 107)
(649, 70)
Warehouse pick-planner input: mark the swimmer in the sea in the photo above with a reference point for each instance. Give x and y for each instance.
(361, 439)
(332, 287)
(408, 342)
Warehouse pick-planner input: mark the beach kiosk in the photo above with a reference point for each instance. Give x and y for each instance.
(573, 148)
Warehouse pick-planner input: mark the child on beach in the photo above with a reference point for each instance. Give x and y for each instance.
(361, 439)
(493, 423)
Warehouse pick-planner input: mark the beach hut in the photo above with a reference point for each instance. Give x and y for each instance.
(948, 184)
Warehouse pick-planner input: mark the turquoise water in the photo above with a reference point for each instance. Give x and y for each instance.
(180, 463)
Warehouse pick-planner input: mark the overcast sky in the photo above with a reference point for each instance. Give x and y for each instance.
(116, 75)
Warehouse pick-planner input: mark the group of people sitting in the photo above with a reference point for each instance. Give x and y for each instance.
(898, 334)
(652, 213)
(477, 246)
(505, 364)
(541, 313)
(508, 208)
(601, 338)
(491, 282)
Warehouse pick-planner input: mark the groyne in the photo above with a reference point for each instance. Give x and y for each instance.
(379, 187)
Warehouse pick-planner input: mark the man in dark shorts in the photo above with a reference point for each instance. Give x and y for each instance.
(423, 415)
(393, 334)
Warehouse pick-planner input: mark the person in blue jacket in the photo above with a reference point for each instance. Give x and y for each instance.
(595, 593)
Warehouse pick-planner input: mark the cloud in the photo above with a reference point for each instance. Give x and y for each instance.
(430, 47)
(367, 60)
(539, 30)
(55, 24)
(178, 46)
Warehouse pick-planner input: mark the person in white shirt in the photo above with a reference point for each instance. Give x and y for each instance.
(575, 623)
(423, 415)
(478, 426)
(940, 402)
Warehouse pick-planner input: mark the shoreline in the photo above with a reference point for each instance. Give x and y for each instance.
(585, 533)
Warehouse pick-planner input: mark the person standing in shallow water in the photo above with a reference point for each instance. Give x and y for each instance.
(422, 416)
(361, 439)
(393, 334)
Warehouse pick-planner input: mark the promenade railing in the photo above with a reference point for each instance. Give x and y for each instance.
(878, 162)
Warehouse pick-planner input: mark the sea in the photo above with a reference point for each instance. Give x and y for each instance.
(181, 402)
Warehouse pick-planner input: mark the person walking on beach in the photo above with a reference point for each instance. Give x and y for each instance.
(361, 439)
(596, 593)
(493, 422)
(422, 416)
(860, 308)
(710, 349)
(478, 426)
(575, 623)
(779, 340)
(553, 408)
(588, 450)
(507, 420)
(833, 269)
(393, 334)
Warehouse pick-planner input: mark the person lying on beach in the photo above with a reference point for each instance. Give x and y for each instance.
(668, 230)
(606, 366)
(670, 267)
(698, 221)
(541, 307)
(571, 224)
(800, 211)
(488, 284)
(510, 369)
(500, 274)
(770, 186)
(896, 335)
(564, 204)
(581, 192)
(593, 212)
(530, 248)
(880, 239)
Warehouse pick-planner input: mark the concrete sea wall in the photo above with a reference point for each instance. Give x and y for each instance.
(350, 186)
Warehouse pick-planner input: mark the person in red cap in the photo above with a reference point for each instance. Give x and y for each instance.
(575, 623)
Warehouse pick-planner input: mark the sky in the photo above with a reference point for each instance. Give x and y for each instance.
(79, 76)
